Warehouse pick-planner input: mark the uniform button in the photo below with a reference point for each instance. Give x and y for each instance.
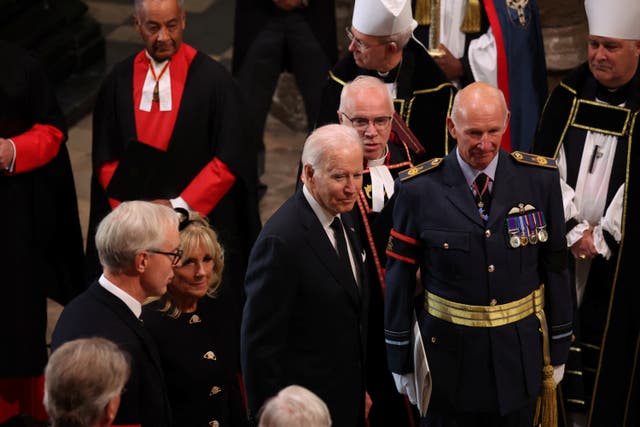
(493, 302)
(215, 390)
(210, 355)
(487, 233)
(491, 268)
(445, 245)
(214, 423)
(433, 340)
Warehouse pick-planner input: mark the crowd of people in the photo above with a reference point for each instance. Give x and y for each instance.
(453, 256)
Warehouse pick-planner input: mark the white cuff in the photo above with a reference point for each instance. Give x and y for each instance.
(406, 385)
(179, 202)
(558, 373)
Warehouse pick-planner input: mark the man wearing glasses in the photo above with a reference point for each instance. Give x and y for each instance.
(138, 245)
(382, 45)
(365, 105)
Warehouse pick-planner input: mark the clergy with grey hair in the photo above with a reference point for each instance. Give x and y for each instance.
(382, 44)
(590, 126)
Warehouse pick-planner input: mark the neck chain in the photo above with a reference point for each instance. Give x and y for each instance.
(156, 90)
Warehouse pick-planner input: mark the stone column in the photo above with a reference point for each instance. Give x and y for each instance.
(565, 33)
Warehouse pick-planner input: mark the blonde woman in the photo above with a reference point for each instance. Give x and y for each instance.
(192, 335)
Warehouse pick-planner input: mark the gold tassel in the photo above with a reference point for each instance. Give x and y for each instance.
(471, 21)
(546, 414)
(423, 12)
(547, 405)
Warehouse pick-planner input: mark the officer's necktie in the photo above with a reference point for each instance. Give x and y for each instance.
(483, 195)
(341, 243)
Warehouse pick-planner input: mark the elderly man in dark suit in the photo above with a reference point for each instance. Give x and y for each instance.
(138, 245)
(304, 321)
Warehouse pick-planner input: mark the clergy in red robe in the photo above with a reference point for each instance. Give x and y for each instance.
(41, 251)
(168, 126)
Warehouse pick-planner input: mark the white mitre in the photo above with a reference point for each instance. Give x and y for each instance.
(617, 19)
(383, 17)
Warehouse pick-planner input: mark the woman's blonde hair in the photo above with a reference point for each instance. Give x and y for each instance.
(195, 231)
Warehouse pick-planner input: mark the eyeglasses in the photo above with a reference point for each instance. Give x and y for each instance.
(175, 256)
(362, 123)
(359, 43)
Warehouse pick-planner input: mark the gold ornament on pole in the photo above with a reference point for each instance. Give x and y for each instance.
(434, 30)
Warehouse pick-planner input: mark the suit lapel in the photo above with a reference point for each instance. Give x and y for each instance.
(125, 314)
(321, 245)
(503, 186)
(459, 193)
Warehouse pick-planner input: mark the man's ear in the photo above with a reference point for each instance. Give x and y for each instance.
(392, 47)
(110, 411)
(137, 24)
(340, 118)
(307, 172)
(140, 261)
(452, 128)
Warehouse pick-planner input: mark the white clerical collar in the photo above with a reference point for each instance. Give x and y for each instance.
(381, 161)
(133, 304)
(164, 85)
(382, 182)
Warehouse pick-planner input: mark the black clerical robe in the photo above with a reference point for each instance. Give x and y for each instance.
(423, 98)
(602, 376)
(208, 129)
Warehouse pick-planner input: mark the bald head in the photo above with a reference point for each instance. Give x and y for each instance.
(478, 96)
(478, 120)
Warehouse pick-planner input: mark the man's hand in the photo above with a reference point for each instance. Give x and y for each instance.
(288, 5)
(558, 373)
(406, 385)
(585, 248)
(6, 153)
(451, 65)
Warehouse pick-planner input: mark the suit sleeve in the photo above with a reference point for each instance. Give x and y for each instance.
(555, 275)
(402, 262)
(270, 289)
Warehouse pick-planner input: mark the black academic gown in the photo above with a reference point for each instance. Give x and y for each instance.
(41, 252)
(423, 99)
(606, 317)
(207, 126)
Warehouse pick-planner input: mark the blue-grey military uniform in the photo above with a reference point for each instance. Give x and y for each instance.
(484, 347)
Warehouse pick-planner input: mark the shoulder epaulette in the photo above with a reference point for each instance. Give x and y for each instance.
(534, 159)
(421, 168)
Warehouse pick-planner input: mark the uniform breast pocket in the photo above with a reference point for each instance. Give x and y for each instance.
(446, 251)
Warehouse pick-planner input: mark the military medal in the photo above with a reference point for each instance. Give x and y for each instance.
(531, 229)
(524, 240)
(541, 227)
(543, 236)
(512, 229)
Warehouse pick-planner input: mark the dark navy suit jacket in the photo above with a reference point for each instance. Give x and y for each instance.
(305, 318)
(99, 313)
